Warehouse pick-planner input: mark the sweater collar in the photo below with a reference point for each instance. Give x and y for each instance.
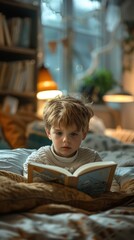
(64, 159)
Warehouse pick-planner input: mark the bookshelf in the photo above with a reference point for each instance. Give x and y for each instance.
(18, 52)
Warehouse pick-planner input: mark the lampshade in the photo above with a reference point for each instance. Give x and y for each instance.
(118, 96)
(46, 86)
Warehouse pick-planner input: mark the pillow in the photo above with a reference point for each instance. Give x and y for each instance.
(97, 125)
(14, 128)
(125, 178)
(99, 142)
(37, 141)
(122, 154)
(3, 143)
(36, 127)
(12, 159)
(36, 136)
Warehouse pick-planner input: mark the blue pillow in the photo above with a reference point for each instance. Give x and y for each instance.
(100, 142)
(3, 143)
(36, 141)
(36, 136)
(12, 159)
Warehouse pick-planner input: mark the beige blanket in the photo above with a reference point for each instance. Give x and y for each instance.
(16, 195)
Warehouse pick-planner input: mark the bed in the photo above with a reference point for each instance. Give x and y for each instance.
(53, 211)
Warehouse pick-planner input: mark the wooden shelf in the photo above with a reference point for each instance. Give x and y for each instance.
(21, 55)
(16, 53)
(18, 94)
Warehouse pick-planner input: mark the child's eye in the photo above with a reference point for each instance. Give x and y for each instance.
(74, 134)
(58, 133)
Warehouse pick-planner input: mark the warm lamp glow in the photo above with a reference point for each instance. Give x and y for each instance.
(46, 86)
(45, 80)
(48, 94)
(118, 97)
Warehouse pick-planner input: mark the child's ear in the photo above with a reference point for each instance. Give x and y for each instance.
(48, 133)
(84, 135)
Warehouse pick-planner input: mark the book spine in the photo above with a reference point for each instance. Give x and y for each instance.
(6, 31)
(2, 41)
(25, 33)
(112, 171)
(30, 173)
(71, 181)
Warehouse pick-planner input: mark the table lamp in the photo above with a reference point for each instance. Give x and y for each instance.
(118, 95)
(47, 89)
(46, 86)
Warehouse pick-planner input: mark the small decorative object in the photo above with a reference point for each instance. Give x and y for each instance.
(10, 105)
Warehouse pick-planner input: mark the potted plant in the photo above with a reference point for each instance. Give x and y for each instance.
(97, 84)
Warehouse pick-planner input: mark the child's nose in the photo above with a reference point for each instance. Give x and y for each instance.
(65, 138)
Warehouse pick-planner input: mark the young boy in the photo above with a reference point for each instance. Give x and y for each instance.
(66, 122)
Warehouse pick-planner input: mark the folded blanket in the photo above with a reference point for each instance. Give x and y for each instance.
(16, 195)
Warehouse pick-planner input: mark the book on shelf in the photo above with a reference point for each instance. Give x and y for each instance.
(91, 178)
(3, 72)
(29, 86)
(17, 76)
(15, 26)
(7, 36)
(2, 41)
(25, 33)
(17, 31)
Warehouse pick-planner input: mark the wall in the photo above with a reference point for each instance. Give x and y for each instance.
(128, 75)
(117, 66)
(128, 108)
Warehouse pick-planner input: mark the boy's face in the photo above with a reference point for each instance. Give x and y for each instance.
(66, 140)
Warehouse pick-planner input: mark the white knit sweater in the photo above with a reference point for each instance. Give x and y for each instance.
(46, 155)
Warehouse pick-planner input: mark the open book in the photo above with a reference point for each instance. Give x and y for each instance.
(92, 178)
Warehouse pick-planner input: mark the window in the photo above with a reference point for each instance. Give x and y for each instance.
(72, 31)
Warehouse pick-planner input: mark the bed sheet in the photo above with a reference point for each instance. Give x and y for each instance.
(113, 224)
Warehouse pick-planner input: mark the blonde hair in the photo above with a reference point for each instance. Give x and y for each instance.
(67, 110)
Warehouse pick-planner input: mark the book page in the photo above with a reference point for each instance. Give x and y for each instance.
(92, 166)
(47, 172)
(49, 176)
(96, 182)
